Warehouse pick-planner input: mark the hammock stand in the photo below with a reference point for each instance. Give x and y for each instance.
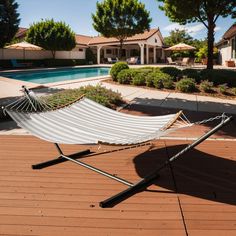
(32, 103)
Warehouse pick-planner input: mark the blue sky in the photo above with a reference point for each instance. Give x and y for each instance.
(77, 13)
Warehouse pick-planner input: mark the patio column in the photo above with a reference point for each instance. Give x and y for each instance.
(147, 54)
(154, 55)
(99, 54)
(141, 45)
(162, 54)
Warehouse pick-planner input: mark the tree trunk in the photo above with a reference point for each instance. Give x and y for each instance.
(210, 41)
(121, 47)
(53, 54)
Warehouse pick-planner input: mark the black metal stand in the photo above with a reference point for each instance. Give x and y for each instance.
(59, 159)
(73, 158)
(133, 188)
(149, 179)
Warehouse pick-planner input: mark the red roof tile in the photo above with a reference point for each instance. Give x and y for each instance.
(230, 32)
(21, 32)
(83, 39)
(143, 36)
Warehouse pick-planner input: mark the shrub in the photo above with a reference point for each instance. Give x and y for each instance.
(206, 86)
(192, 73)
(223, 88)
(219, 76)
(116, 68)
(233, 90)
(126, 76)
(159, 80)
(172, 71)
(186, 85)
(168, 83)
(97, 93)
(139, 78)
(149, 79)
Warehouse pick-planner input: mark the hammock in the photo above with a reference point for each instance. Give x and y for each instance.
(87, 122)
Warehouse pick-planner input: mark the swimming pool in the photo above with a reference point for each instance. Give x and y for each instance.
(57, 75)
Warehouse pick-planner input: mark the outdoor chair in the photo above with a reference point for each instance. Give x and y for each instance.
(16, 64)
(170, 61)
(133, 60)
(185, 61)
(87, 122)
(111, 60)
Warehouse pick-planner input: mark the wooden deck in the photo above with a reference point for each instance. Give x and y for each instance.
(197, 198)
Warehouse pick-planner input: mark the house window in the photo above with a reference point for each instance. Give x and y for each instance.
(108, 51)
(155, 40)
(233, 51)
(81, 49)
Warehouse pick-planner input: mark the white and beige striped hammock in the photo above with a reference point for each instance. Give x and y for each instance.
(87, 122)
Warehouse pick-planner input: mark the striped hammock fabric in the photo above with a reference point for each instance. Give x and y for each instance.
(87, 122)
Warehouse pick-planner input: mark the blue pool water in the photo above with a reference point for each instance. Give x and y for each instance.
(57, 75)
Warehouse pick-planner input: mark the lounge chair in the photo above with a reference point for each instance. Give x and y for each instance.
(16, 64)
(111, 60)
(132, 60)
(87, 122)
(170, 61)
(185, 61)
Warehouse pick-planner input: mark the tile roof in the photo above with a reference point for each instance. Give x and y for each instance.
(21, 32)
(136, 37)
(230, 32)
(83, 39)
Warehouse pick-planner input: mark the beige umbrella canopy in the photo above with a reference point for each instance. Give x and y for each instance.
(24, 46)
(180, 47)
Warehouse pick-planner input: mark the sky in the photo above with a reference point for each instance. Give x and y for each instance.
(77, 14)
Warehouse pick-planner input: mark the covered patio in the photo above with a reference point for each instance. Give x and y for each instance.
(148, 47)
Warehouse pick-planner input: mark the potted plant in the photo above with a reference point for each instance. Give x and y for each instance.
(230, 63)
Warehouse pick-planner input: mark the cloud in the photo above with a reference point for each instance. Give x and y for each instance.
(217, 28)
(192, 29)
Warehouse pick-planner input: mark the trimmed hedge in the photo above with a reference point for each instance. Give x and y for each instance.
(64, 62)
(126, 76)
(192, 73)
(116, 68)
(219, 76)
(159, 80)
(139, 78)
(174, 72)
(46, 62)
(186, 85)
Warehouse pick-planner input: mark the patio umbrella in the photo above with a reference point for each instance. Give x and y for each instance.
(180, 47)
(24, 46)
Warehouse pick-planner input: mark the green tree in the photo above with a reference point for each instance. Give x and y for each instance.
(121, 19)
(178, 36)
(9, 21)
(51, 35)
(205, 11)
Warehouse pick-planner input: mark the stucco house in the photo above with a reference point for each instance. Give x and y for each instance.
(148, 46)
(227, 47)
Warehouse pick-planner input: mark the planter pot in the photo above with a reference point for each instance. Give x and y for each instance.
(230, 63)
(204, 61)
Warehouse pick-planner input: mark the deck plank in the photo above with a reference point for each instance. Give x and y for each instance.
(64, 199)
